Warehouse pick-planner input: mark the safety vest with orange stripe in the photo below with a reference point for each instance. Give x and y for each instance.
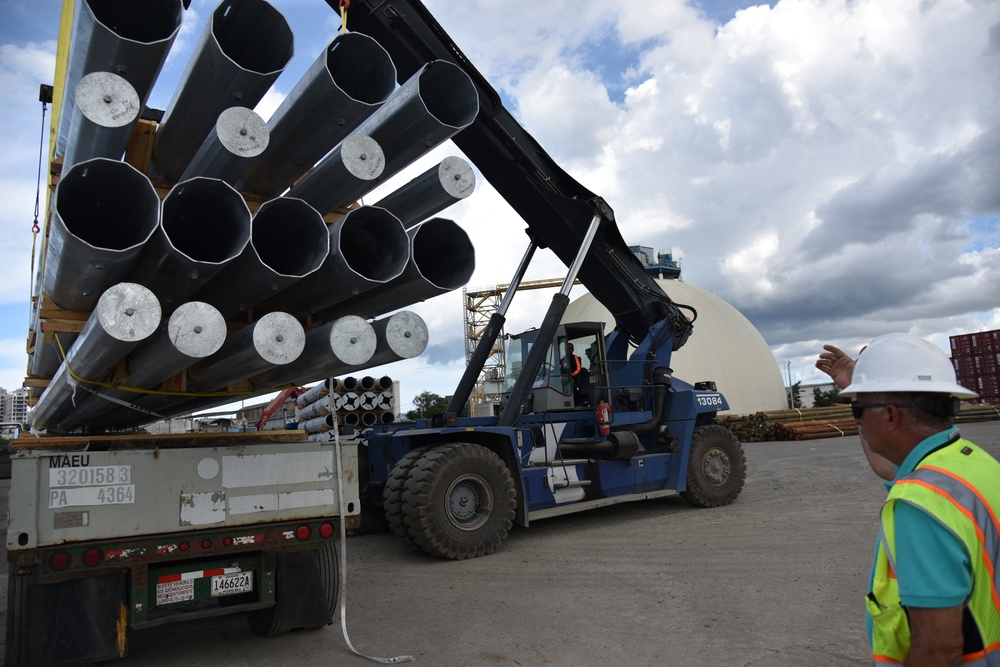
(958, 485)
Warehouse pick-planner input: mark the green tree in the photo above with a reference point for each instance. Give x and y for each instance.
(824, 399)
(427, 403)
(794, 396)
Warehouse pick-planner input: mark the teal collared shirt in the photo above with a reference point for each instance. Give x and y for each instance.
(933, 569)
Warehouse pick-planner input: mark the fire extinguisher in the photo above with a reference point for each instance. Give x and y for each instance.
(603, 412)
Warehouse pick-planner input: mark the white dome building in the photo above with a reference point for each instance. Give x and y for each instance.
(725, 348)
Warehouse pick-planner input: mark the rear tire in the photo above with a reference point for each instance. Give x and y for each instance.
(392, 496)
(717, 467)
(459, 501)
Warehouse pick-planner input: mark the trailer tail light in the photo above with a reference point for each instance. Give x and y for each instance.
(185, 546)
(303, 533)
(205, 544)
(92, 557)
(227, 541)
(326, 531)
(59, 560)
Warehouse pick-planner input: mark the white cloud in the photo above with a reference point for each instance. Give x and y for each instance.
(818, 163)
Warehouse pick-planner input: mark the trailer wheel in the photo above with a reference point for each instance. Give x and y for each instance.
(392, 495)
(307, 589)
(717, 467)
(459, 501)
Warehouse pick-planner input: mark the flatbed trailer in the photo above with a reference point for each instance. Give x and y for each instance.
(116, 534)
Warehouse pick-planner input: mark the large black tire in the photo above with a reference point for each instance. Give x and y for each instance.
(717, 467)
(392, 496)
(282, 616)
(459, 501)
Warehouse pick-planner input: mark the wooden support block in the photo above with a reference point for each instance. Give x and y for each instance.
(119, 374)
(48, 309)
(242, 387)
(139, 152)
(176, 383)
(53, 325)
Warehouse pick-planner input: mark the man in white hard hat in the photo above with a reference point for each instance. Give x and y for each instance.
(934, 585)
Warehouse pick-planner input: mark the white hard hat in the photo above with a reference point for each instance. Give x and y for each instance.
(902, 362)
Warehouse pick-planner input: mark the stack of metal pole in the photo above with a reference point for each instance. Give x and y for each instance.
(243, 304)
(347, 404)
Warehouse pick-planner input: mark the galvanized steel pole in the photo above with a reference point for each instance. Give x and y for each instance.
(125, 37)
(343, 176)
(288, 241)
(368, 247)
(239, 136)
(104, 212)
(425, 275)
(446, 183)
(346, 342)
(344, 85)
(244, 47)
(436, 103)
(205, 225)
(193, 331)
(105, 112)
(125, 315)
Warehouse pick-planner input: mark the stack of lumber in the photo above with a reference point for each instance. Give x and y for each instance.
(815, 423)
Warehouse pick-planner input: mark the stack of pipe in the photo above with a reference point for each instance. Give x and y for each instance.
(350, 403)
(251, 302)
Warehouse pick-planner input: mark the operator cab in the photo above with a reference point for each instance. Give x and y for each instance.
(567, 380)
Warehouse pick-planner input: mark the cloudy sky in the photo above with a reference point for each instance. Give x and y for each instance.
(829, 167)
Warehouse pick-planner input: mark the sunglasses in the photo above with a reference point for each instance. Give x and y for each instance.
(857, 409)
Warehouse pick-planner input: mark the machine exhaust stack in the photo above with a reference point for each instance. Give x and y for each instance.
(348, 342)
(126, 314)
(239, 136)
(124, 37)
(425, 276)
(350, 79)
(288, 241)
(244, 47)
(368, 247)
(205, 225)
(444, 184)
(194, 331)
(105, 112)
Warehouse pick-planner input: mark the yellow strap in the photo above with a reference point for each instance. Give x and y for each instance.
(137, 390)
(800, 413)
(834, 427)
(344, 4)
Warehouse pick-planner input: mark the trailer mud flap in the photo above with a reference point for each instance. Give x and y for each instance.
(67, 622)
(307, 586)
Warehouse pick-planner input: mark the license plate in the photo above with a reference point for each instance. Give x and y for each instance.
(230, 584)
